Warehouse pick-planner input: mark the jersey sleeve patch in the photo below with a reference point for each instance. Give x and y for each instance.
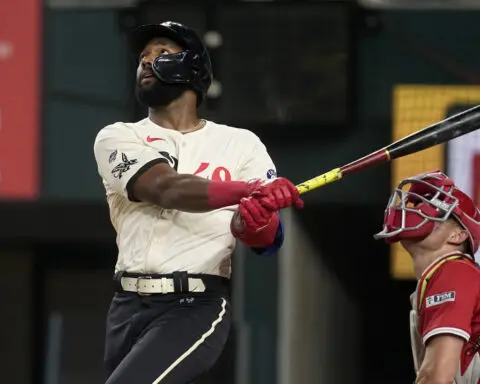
(439, 298)
(271, 173)
(123, 166)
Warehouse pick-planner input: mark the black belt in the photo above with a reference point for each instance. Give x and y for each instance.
(176, 282)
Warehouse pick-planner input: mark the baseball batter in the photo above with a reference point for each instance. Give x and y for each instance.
(439, 226)
(181, 190)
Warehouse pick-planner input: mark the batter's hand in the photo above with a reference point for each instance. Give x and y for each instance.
(253, 224)
(277, 194)
(255, 216)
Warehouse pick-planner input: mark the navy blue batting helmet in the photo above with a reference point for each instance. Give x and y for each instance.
(192, 66)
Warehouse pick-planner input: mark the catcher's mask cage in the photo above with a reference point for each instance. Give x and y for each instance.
(418, 202)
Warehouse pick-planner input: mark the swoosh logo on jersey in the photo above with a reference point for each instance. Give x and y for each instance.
(152, 139)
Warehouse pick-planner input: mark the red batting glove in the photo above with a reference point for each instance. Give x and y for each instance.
(224, 193)
(253, 224)
(277, 194)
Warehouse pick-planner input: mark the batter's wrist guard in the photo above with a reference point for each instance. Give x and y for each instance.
(226, 193)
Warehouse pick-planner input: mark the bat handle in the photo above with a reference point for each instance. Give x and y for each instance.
(320, 181)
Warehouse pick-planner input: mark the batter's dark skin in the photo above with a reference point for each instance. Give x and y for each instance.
(179, 114)
(162, 185)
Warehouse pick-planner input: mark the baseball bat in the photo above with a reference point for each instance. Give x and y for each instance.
(438, 133)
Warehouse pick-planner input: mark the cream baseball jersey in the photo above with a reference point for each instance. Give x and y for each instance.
(151, 239)
(447, 302)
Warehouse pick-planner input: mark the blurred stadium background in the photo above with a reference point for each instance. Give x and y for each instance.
(321, 82)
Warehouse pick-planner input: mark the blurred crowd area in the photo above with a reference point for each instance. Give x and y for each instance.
(321, 83)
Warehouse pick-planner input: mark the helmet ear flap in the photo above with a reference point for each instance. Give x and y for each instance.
(193, 68)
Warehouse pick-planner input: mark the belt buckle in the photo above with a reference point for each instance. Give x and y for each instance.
(139, 292)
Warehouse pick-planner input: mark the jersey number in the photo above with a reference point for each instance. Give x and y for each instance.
(218, 174)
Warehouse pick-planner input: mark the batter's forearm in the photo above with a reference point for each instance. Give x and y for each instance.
(191, 193)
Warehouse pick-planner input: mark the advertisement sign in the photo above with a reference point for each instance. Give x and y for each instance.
(463, 163)
(20, 76)
(416, 107)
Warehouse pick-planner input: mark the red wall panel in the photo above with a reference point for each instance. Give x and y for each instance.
(20, 80)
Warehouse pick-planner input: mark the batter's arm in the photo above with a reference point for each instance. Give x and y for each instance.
(163, 186)
(442, 357)
(145, 174)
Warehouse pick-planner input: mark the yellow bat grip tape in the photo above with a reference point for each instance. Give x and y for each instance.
(320, 181)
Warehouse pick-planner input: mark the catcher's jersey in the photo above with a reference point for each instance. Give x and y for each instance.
(151, 239)
(447, 301)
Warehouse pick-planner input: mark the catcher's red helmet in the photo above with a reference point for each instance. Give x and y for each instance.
(420, 201)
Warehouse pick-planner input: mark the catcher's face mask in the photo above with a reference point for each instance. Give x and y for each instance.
(416, 204)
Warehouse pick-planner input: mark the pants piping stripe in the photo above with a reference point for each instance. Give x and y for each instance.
(199, 342)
